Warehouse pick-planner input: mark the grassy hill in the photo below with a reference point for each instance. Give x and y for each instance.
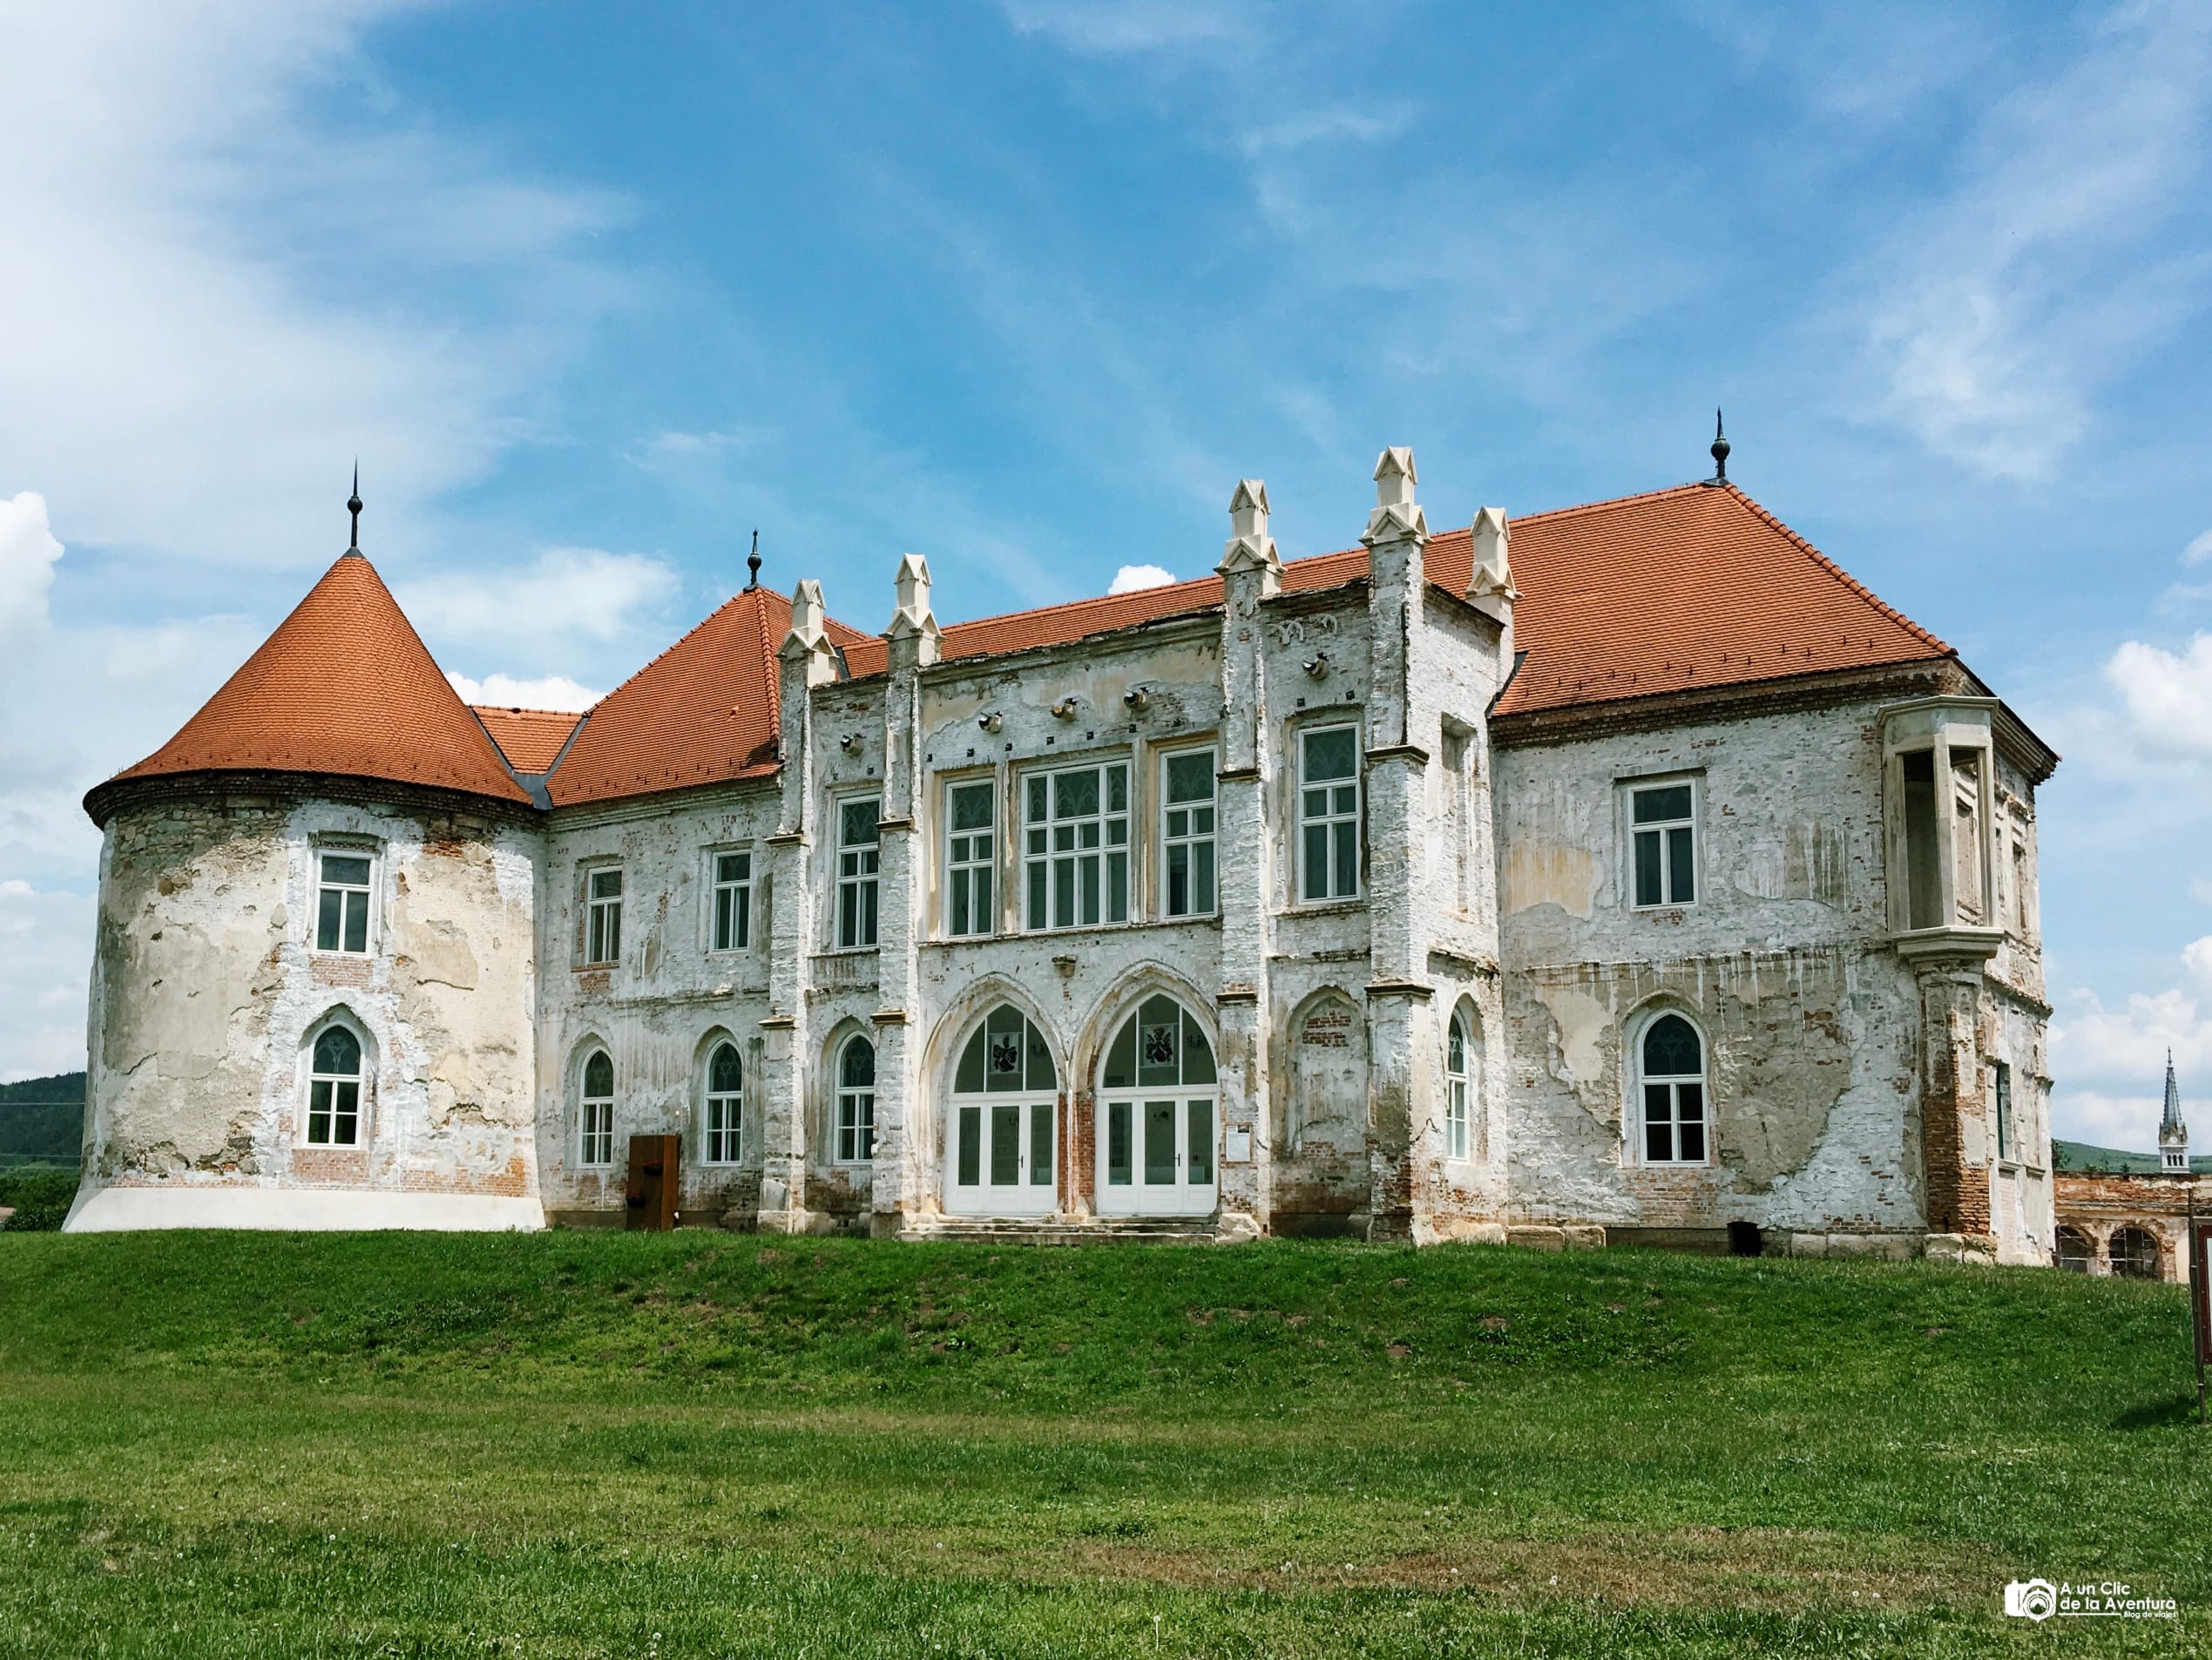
(697, 1444)
(2111, 1161)
(42, 1121)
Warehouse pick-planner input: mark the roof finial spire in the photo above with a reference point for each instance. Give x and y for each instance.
(752, 562)
(353, 506)
(1720, 453)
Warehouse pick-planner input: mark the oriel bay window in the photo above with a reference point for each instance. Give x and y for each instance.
(1329, 813)
(1187, 834)
(342, 903)
(1664, 835)
(1076, 852)
(971, 856)
(859, 863)
(1938, 790)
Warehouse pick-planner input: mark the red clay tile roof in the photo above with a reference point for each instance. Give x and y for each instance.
(531, 739)
(344, 686)
(1696, 586)
(703, 712)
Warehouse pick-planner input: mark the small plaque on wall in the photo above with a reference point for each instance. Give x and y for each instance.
(1239, 1150)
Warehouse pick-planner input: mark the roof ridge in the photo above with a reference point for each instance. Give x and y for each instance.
(525, 709)
(1837, 571)
(1609, 502)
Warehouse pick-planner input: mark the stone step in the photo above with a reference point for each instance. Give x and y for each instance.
(1010, 1231)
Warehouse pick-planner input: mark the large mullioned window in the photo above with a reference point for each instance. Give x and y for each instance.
(1187, 834)
(1076, 861)
(859, 865)
(1665, 845)
(970, 857)
(1329, 813)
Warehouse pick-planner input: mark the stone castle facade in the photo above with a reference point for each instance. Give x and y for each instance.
(1626, 872)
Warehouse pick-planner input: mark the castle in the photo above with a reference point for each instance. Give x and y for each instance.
(1624, 872)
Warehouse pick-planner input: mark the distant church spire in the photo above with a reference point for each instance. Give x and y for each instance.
(353, 506)
(2173, 1134)
(1720, 453)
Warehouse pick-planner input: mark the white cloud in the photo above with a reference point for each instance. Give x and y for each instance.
(1119, 27)
(45, 960)
(2167, 696)
(1320, 127)
(28, 551)
(2102, 1056)
(2199, 550)
(577, 592)
(1131, 579)
(1992, 320)
(504, 691)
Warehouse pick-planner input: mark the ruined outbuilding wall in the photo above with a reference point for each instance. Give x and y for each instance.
(208, 995)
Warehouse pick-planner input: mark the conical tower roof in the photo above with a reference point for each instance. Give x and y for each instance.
(2172, 1121)
(344, 686)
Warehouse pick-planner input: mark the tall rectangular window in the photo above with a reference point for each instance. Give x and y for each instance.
(1329, 813)
(733, 901)
(970, 857)
(1187, 834)
(859, 860)
(1924, 890)
(603, 917)
(1966, 834)
(342, 903)
(2004, 1111)
(1077, 855)
(1665, 845)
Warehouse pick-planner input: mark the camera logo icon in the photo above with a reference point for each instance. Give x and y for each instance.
(2031, 1599)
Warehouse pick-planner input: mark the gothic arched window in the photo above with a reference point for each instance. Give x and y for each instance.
(1672, 1073)
(333, 1090)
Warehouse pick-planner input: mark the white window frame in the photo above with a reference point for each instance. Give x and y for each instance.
(1044, 855)
(1199, 846)
(364, 891)
(1672, 1082)
(1459, 1044)
(1334, 819)
(595, 1113)
(854, 1128)
(603, 917)
(731, 900)
(969, 914)
(2001, 1112)
(1662, 832)
(359, 1079)
(722, 1123)
(860, 874)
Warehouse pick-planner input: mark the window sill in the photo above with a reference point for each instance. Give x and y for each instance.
(1325, 907)
(1672, 913)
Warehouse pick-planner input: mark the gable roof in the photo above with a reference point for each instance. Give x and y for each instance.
(703, 712)
(343, 686)
(531, 739)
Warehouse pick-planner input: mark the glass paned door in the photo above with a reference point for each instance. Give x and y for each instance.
(1003, 1158)
(1158, 1116)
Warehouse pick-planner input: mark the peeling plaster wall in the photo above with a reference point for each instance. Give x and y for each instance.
(208, 995)
(1783, 961)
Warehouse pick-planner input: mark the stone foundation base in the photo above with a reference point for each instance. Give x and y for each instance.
(122, 1210)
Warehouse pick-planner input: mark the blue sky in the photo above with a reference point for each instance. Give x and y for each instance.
(594, 291)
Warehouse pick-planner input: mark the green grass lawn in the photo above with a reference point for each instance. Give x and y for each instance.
(703, 1444)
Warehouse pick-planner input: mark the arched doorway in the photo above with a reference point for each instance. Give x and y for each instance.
(1001, 1155)
(1159, 1116)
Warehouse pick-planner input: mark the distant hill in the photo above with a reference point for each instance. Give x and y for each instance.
(2110, 1161)
(42, 1121)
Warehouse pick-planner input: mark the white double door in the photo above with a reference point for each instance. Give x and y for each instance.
(1158, 1154)
(1002, 1159)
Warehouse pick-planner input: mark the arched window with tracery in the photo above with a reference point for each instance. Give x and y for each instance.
(1671, 1076)
(1002, 1159)
(856, 1101)
(725, 1105)
(333, 1089)
(595, 1112)
(1458, 1091)
(1159, 1111)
